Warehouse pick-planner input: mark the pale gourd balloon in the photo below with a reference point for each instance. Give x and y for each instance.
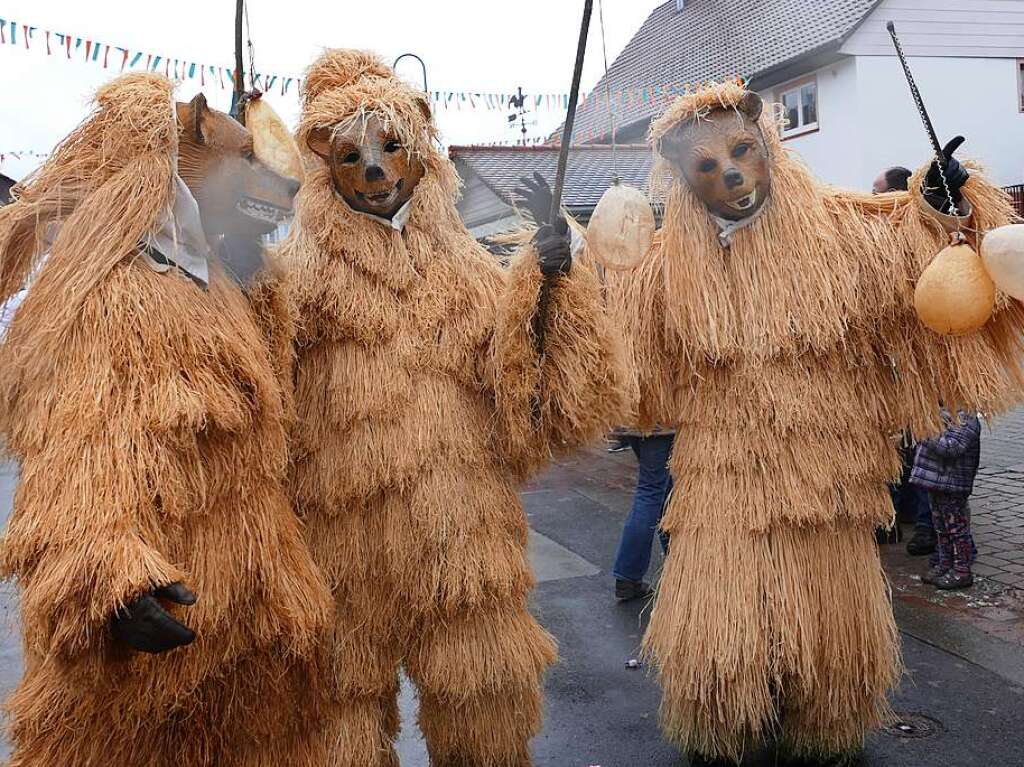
(272, 142)
(622, 228)
(1002, 251)
(954, 294)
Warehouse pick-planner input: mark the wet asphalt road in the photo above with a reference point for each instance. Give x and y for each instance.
(601, 713)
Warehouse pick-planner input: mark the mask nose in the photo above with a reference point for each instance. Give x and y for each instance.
(374, 173)
(732, 178)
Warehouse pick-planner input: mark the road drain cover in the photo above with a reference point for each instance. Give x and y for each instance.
(908, 725)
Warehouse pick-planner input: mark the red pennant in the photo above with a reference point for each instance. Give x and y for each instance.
(47, 42)
(67, 44)
(124, 60)
(106, 52)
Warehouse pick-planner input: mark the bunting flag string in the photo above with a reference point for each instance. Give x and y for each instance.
(133, 59)
(183, 69)
(18, 154)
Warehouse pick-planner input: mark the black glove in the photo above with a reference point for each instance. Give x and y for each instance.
(552, 239)
(536, 195)
(554, 251)
(956, 177)
(146, 626)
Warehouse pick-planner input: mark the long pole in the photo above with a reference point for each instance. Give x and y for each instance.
(540, 319)
(570, 119)
(239, 75)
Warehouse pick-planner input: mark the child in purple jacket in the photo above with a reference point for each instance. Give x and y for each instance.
(945, 466)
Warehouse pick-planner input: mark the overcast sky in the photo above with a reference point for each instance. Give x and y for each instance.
(468, 45)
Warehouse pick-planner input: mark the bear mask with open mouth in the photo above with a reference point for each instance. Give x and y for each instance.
(723, 157)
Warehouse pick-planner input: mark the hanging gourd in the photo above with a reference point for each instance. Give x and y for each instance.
(955, 295)
(272, 142)
(621, 228)
(1002, 251)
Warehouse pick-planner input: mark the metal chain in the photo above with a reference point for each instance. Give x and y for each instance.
(940, 159)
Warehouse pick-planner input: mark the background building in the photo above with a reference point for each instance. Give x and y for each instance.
(830, 66)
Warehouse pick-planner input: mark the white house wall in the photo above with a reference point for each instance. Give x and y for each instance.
(868, 120)
(976, 98)
(833, 150)
(967, 28)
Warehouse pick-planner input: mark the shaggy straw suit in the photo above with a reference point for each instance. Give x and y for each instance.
(796, 346)
(150, 427)
(421, 402)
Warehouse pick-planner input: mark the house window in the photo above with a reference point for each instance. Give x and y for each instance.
(1020, 84)
(800, 104)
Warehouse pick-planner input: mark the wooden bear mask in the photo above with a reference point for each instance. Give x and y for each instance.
(370, 167)
(723, 158)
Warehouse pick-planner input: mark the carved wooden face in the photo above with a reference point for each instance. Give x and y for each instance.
(372, 170)
(236, 193)
(724, 159)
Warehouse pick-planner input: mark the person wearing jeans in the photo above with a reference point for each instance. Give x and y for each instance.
(652, 488)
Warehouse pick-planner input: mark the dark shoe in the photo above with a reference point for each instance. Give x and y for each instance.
(922, 544)
(933, 575)
(626, 591)
(952, 582)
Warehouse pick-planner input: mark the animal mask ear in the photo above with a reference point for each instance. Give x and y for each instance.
(750, 106)
(669, 144)
(319, 140)
(424, 106)
(197, 110)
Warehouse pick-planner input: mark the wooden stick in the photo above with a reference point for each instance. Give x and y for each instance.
(544, 300)
(570, 118)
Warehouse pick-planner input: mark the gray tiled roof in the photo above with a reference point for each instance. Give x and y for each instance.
(588, 175)
(5, 188)
(715, 39)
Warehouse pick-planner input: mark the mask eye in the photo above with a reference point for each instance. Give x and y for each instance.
(706, 166)
(392, 146)
(740, 150)
(351, 158)
(248, 155)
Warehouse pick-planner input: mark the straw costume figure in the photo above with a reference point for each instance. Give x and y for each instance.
(167, 594)
(773, 320)
(421, 399)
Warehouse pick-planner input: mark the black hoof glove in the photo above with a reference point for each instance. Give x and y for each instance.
(144, 625)
(535, 195)
(554, 251)
(956, 177)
